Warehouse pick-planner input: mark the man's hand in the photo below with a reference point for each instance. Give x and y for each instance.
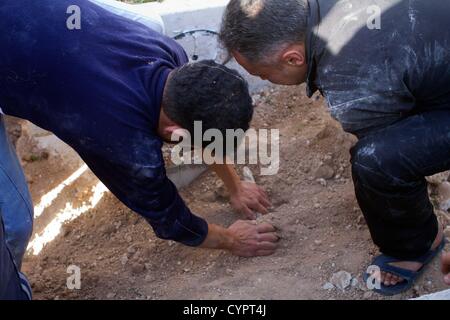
(245, 197)
(252, 239)
(243, 238)
(249, 199)
(446, 267)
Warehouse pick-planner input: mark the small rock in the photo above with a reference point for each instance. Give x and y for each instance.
(248, 174)
(66, 230)
(354, 282)
(148, 266)
(368, 295)
(110, 295)
(124, 259)
(137, 268)
(324, 172)
(324, 133)
(328, 286)
(108, 229)
(209, 196)
(360, 220)
(118, 224)
(341, 280)
(149, 277)
(443, 191)
(221, 192)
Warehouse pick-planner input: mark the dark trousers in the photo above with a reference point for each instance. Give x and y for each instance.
(389, 168)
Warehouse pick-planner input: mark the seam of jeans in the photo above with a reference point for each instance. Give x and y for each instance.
(30, 210)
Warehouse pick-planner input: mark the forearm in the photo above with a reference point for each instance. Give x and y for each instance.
(217, 238)
(227, 173)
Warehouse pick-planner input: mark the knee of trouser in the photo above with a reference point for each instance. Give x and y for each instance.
(375, 165)
(17, 236)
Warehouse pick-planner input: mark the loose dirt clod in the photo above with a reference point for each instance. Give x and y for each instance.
(341, 280)
(324, 172)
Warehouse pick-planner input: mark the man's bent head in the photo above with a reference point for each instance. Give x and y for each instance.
(267, 37)
(208, 93)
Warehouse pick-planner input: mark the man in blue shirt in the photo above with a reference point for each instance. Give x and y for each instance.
(114, 90)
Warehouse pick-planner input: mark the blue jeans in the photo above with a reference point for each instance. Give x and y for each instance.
(16, 223)
(13, 284)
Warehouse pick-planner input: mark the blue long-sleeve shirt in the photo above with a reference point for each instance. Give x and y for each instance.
(99, 89)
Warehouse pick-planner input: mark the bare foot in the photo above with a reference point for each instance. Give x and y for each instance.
(389, 279)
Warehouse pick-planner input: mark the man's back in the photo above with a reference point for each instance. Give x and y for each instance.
(375, 74)
(112, 68)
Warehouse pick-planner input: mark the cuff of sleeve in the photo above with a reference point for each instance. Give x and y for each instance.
(192, 234)
(184, 227)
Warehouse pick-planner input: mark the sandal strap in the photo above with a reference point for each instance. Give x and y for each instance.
(383, 262)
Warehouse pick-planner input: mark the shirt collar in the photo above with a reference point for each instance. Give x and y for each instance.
(311, 46)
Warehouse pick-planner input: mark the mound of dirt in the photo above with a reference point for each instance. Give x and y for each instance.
(322, 229)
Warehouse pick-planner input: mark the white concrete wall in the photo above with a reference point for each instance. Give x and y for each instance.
(183, 15)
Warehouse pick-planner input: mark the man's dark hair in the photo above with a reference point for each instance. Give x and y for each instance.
(258, 28)
(211, 93)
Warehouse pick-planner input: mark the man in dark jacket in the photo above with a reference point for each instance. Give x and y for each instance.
(383, 68)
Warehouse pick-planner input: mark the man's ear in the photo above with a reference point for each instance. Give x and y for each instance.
(294, 55)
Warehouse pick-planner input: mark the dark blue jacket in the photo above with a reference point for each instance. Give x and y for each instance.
(372, 77)
(99, 89)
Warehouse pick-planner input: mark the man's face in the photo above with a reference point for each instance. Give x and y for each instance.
(289, 67)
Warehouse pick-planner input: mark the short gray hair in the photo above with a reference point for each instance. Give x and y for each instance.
(258, 28)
